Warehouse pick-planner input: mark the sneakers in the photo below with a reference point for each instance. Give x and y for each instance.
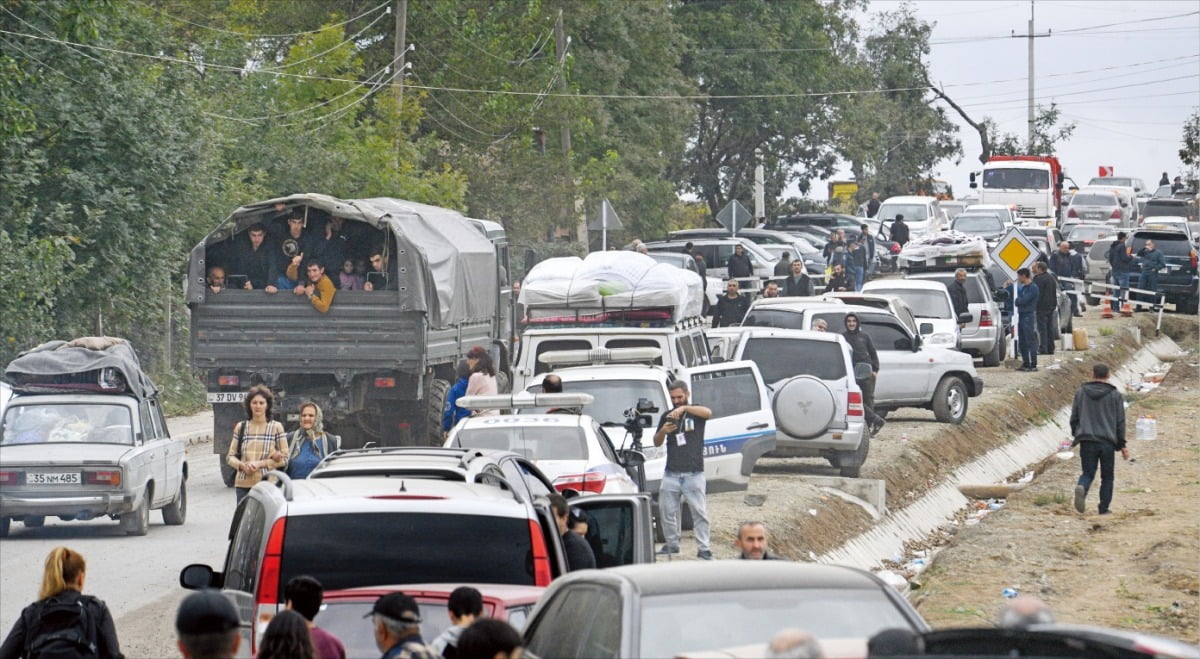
(667, 550)
(1080, 495)
(704, 555)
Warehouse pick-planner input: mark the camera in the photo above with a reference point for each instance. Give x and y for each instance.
(638, 418)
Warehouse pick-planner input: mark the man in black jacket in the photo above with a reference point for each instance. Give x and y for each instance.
(578, 551)
(900, 231)
(731, 307)
(739, 265)
(958, 294)
(1066, 263)
(862, 351)
(798, 284)
(1098, 427)
(1121, 263)
(1047, 305)
(873, 205)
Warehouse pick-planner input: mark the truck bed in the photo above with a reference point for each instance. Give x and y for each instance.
(251, 330)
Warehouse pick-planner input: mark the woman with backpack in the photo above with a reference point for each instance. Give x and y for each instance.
(259, 443)
(309, 444)
(63, 622)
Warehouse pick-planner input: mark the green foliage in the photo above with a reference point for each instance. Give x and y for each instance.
(1047, 133)
(1189, 153)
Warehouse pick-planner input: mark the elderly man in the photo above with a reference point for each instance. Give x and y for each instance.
(397, 621)
(206, 625)
(751, 542)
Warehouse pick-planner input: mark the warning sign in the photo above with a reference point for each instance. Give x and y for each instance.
(1013, 252)
(1106, 170)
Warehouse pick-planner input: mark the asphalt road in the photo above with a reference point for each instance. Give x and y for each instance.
(137, 577)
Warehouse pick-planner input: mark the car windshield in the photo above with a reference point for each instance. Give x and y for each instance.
(1165, 210)
(924, 304)
(782, 358)
(911, 212)
(978, 224)
(612, 397)
(1085, 199)
(1016, 178)
(1089, 233)
(551, 439)
(67, 423)
(675, 624)
(1169, 245)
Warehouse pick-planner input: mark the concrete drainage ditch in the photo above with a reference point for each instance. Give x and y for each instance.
(887, 538)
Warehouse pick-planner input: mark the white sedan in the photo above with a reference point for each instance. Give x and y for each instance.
(571, 449)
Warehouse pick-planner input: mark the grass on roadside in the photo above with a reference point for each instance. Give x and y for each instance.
(1046, 499)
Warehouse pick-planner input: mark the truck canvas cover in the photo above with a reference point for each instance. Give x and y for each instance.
(80, 364)
(451, 263)
(607, 282)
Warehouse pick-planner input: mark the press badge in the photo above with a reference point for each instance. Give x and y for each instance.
(680, 439)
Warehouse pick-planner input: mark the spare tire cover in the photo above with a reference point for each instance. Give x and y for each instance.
(804, 406)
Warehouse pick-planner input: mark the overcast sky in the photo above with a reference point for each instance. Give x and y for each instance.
(1136, 128)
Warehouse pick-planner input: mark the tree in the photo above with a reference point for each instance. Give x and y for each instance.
(1190, 152)
(1047, 133)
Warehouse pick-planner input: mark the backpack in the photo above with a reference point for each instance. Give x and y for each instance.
(62, 629)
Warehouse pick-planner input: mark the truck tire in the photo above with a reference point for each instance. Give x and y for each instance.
(950, 400)
(436, 404)
(804, 406)
(175, 513)
(996, 354)
(137, 521)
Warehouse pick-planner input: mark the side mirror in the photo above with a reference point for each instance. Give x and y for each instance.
(198, 577)
(964, 318)
(631, 458)
(716, 359)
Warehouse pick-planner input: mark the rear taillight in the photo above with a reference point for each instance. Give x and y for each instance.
(105, 477)
(541, 557)
(385, 383)
(1071, 213)
(895, 248)
(1193, 259)
(588, 482)
(985, 319)
(12, 477)
(266, 601)
(1116, 214)
(854, 403)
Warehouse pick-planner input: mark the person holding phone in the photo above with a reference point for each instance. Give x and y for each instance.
(682, 430)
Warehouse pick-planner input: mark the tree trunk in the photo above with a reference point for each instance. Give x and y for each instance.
(985, 143)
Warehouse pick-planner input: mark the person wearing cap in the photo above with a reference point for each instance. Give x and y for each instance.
(578, 551)
(397, 620)
(207, 626)
(465, 605)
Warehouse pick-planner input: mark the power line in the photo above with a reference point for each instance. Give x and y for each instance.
(265, 36)
(345, 41)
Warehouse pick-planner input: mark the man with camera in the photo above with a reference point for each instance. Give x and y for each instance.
(683, 431)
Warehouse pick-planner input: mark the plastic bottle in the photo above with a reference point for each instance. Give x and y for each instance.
(1009, 593)
(1146, 428)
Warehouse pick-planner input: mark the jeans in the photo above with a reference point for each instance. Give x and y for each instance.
(1121, 279)
(868, 396)
(240, 493)
(1027, 340)
(1148, 281)
(1103, 453)
(691, 487)
(1045, 329)
(856, 273)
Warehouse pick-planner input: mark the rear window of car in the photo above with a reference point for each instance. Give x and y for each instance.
(407, 548)
(551, 441)
(774, 318)
(1084, 199)
(1089, 233)
(782, 358)
(1169, 246)
(981, 223)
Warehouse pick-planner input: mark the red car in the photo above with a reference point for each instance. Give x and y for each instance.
(343, 610)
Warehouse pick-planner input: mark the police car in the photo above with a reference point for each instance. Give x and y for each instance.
(572, 449)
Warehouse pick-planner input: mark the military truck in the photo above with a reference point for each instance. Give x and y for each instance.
(378, 362)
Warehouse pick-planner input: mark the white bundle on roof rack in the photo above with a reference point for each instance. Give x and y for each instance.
(609, 281)
(946, 247)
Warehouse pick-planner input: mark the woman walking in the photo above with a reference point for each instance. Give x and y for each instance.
(483, 377)
(309, 443)
(64, 621)
(255, 440)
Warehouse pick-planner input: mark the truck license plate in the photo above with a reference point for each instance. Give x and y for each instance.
(62, 478)
(226, 396)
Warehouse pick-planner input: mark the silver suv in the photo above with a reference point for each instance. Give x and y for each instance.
(400, 515)
(982, 337)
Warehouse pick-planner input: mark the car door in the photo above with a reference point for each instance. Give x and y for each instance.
(152, 456)
(176, 452)
(620, 528)
(903, 373)
(742, 426)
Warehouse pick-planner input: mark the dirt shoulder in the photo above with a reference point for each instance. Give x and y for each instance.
(1135, 569)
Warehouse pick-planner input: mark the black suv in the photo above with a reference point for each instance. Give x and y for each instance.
(1178, 281)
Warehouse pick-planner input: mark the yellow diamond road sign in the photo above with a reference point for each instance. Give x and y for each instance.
(1013, 252)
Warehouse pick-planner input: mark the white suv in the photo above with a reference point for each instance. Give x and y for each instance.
(817, 404)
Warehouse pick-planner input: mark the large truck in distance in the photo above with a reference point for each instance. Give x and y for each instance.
(1032, 185)
(378, 362)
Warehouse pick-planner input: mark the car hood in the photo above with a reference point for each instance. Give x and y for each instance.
(948, 356)
(63, 454)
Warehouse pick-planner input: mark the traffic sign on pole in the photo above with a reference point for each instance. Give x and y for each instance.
(1014, 251)
(734, 216)
(608, 220)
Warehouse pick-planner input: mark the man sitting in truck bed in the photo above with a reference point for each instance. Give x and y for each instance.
(379, 278)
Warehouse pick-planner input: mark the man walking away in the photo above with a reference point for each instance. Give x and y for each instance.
(731, 307)
(958, 295)
(682, 429)
(303, 595)
(1026, 305)
(739, 266)
(1098, 427)
(784, 265)
(207, 626)
(1152, 261)
(900, 231)
(1047, 306)
(862, 351)
(578, 551)
(1121, 264)
(751, 542)
(465, 605)
(1066, 263)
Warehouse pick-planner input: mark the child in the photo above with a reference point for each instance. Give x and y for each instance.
(349, 281)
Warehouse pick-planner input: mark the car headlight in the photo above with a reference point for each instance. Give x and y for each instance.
(942, 339)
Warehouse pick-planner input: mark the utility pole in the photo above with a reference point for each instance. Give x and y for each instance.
(1030, 35)
(399, 51)
(576, 206)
